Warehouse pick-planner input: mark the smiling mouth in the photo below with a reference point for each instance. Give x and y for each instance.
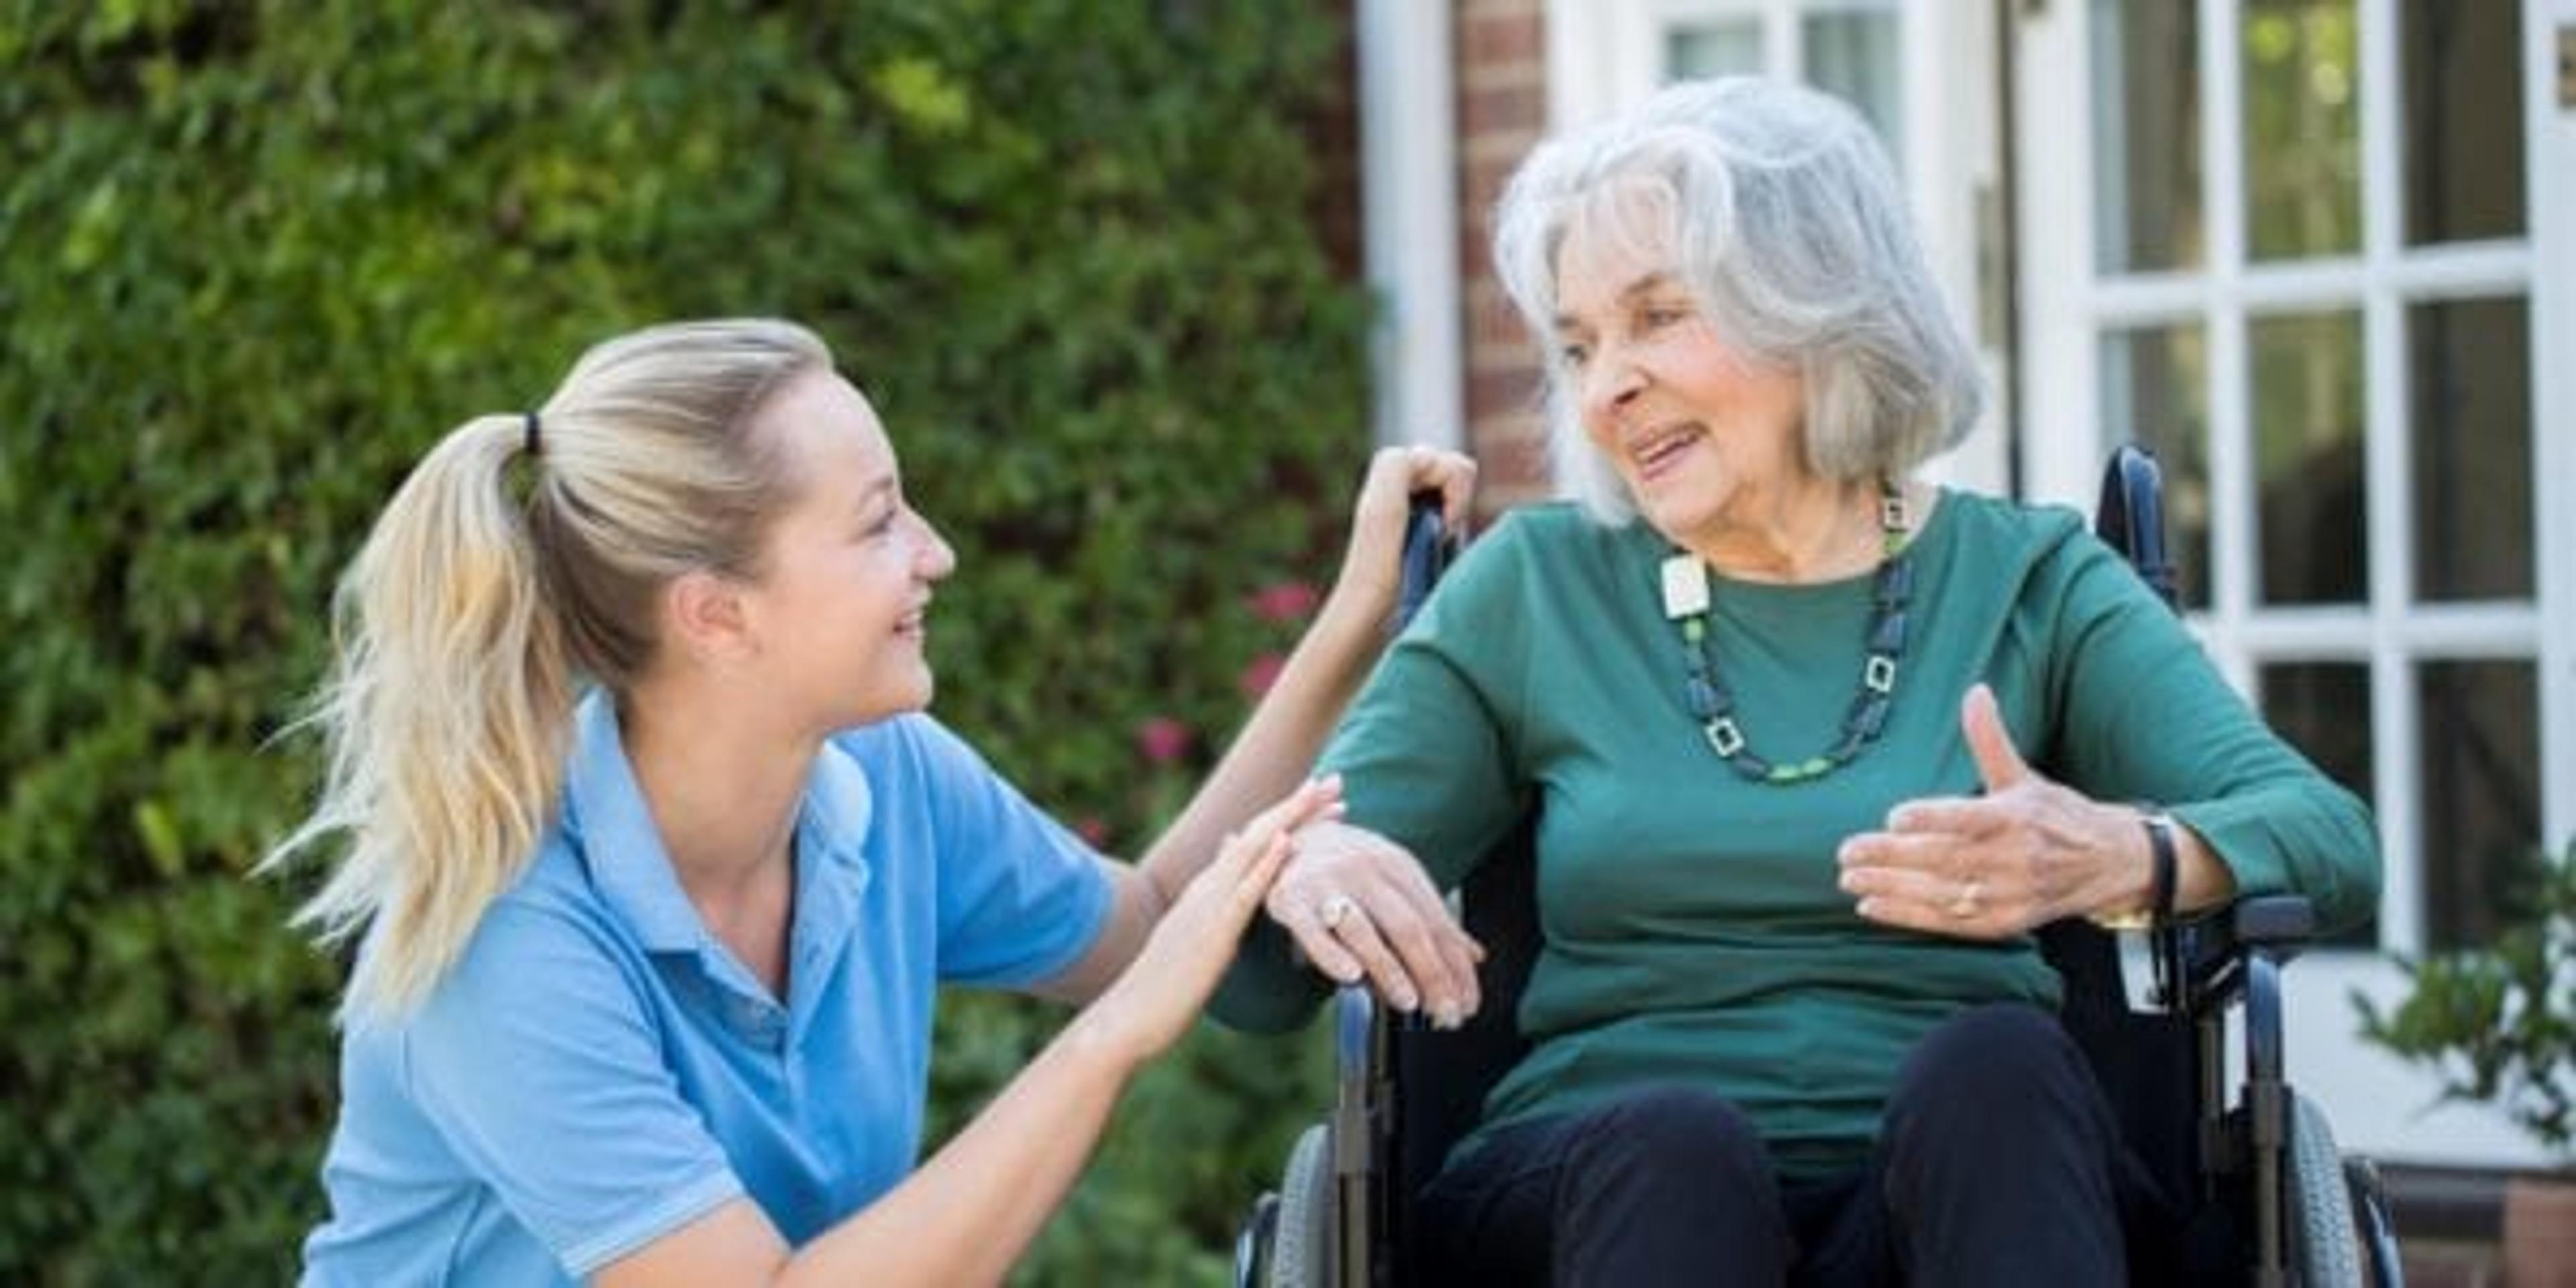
(1657, 452)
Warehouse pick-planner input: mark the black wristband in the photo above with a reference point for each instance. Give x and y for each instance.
(2160, 846)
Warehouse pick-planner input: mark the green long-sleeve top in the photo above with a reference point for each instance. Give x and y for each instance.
(1693, 928)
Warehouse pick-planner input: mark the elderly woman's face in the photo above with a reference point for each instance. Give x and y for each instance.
(1700, 432)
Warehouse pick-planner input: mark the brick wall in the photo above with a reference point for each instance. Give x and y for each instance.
(1502, 110)
(1334, 134)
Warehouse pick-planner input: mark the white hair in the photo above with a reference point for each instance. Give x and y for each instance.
(1778, 208)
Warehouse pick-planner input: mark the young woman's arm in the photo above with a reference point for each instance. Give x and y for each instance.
(969, 1212)
(1278, 745)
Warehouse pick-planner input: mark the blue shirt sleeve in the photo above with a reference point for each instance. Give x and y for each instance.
(1021, 898)
(539, 1065)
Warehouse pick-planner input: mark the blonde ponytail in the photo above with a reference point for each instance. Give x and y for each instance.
(469, 617)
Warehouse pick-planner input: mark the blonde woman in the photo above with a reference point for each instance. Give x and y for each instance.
(656, 863)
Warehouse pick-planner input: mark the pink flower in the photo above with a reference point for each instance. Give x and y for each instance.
(1093, 830)
(1284, 601)
(1260, 674)
(1162, 739)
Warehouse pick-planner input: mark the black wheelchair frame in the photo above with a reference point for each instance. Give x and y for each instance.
(2267, 1195)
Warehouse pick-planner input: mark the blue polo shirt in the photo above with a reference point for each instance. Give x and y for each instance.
(598, 1070)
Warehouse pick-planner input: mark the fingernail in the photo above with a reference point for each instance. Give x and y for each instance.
(1849, 885)
(1406, 1001)
(1446, 1017)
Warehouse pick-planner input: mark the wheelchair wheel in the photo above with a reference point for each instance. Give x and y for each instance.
(1301, 1241)
(2326, 1248)
(1252, 1243)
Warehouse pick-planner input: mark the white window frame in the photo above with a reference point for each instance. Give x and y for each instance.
(2377, 1104)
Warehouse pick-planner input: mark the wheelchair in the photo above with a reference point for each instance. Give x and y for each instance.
(2265, 1196)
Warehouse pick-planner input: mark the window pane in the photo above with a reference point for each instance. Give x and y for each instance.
(2463, 126)
(2146, 135)
(2481, 797)
(2302, 129)
(2470, 363)
(1727, 47)
(2307, 443)
(2323, 709)
(2155, 383)
(1852, 55)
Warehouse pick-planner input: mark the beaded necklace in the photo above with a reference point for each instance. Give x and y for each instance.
(1686, 600)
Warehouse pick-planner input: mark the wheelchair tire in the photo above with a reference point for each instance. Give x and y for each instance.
(1252, 1243)
(1301, 1241)
(2326, 1249)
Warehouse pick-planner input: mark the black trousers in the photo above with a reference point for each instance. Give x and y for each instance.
(1998, 1162)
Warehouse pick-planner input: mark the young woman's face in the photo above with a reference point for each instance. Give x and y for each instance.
(838, 608)
(1700, 431)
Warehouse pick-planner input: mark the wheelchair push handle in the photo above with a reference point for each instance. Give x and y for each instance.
(2130, 515)
(1425, 557)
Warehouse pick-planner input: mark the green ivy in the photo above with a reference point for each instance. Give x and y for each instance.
(256, 257)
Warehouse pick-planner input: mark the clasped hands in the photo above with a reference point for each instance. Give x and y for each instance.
(2027, 851)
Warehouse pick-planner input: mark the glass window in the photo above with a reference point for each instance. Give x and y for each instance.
(1851, 53)
(2323, 709)
(2481, 794)
(1716, 47)
(2302, 124)
(2146, 136)
(2469, 363)
(2155, 391)
(2463, 144)
(2310, 496)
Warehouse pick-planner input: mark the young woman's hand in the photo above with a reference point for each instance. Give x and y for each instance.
(1369, 573)
(1160, 993)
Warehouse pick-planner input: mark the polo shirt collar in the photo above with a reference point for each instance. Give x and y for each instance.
(612, 828)
(614, 833)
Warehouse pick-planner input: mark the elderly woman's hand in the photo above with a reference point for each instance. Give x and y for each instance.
(2027, 852)
(1369, 563)
(1361, 905)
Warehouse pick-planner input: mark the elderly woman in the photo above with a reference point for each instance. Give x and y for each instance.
(1812, 745)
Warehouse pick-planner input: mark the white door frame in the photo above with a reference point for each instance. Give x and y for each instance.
(2377, 1104)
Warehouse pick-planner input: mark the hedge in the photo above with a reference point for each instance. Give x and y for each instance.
(255, 257)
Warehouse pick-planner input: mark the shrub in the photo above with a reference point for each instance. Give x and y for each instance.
(254, 258)
(2497, 1024)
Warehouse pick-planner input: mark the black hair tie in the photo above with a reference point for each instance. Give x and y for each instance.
(530, 418)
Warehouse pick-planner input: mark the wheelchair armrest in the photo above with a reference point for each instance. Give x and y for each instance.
(2275, 921)
(2208, 950)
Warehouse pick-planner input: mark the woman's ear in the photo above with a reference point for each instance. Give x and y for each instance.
(704, 615)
